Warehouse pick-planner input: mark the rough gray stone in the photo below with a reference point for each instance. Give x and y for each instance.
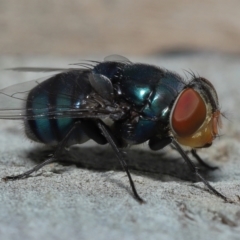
(93, 200)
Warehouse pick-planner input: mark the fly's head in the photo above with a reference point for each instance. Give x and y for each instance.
(195, 116)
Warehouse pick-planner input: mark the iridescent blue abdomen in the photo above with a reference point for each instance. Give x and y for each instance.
(63, 91)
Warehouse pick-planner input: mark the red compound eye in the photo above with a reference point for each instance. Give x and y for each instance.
(189, 113)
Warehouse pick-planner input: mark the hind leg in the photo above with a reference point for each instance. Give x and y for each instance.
(52, 159)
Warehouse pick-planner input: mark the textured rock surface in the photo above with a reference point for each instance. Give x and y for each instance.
(72, 202)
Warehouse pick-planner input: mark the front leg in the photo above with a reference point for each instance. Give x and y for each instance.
(199, 159)
(157, 144)
(194, 170)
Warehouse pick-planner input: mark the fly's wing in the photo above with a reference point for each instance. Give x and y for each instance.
(90, 64)
(41, 69)
(116, 58)
(14, 99)
(110, 58)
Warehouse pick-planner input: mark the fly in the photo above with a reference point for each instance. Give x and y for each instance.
(144, 103)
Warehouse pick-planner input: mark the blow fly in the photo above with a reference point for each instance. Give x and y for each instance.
(116, 102)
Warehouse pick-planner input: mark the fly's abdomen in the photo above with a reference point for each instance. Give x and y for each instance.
(49, 99)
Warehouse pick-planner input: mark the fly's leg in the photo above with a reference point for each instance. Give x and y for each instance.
(52, 159)
(120, 155)
(156, 144)
(199, 159)
(27, 173)
(194, 169)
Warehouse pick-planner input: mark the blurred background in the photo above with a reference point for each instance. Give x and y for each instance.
(87, 27)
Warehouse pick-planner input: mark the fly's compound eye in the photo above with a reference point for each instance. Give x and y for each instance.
(189, 113)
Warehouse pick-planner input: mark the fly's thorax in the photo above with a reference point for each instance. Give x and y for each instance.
(195, 115)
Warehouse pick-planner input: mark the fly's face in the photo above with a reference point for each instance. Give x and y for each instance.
(195, 116)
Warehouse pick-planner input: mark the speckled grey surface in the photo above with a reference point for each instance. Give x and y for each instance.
(93, 200)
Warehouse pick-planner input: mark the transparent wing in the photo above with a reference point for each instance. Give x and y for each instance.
(116, 58)
(110, 58)
(14, 99)
(40, 69)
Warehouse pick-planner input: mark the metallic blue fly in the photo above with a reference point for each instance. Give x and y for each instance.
(116, 102)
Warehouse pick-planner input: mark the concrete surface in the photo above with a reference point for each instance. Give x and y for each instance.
(93, 200)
